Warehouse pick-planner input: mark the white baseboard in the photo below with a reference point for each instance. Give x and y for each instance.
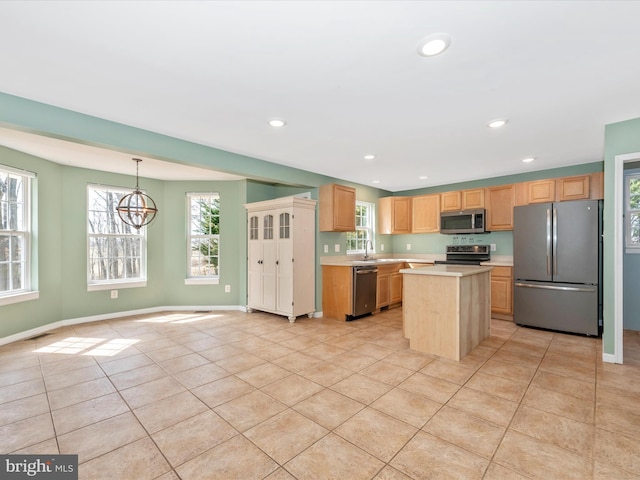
(109, 316)
(609, 358)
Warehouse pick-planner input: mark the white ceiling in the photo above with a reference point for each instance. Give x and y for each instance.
(345, 76)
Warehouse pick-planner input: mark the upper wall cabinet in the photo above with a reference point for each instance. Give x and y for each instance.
(462, 200)
(573, 188)
(499, 202)
(472, 198)
(394, 215)
(450, 201)
(426, 214)
(337, 208)
(541, 191)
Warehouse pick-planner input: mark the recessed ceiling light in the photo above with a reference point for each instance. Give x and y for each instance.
(434, 44)
(497, 123)
(528, 160)
(277, 123)
(423, 177)
(369, 157)
(376, 181)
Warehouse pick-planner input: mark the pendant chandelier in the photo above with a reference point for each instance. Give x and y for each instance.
(137, 209)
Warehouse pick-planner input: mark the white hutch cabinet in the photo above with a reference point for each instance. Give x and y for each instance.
(281, 256)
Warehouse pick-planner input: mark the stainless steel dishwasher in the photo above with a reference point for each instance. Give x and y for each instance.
(365, 283)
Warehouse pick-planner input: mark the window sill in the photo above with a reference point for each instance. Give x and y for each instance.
(19, 297)
(96, 287)
(201, 281)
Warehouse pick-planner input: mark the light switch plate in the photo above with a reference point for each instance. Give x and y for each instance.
(336, 247)
(114, 293)
(408, 247)
(227, 288)
(493, 247)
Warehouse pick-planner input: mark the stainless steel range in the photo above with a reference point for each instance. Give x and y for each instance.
(466, 255)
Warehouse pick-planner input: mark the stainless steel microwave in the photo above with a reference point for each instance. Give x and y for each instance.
(463, 221)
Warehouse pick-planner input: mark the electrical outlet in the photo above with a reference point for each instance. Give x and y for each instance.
(408, 247)
(227, 288)
(114, 293)
(326, 249)
(382, 247)
(336, 248)
(493, 247)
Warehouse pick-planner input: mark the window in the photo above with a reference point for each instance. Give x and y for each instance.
(203, 238)
(632, 213)
(364, 228)
(15, 235)
(116, 251)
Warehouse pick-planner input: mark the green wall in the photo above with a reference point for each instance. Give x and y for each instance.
(619, 139)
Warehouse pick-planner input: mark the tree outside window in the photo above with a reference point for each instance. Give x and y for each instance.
(632, 214)
(15, 231)
(364, 228)
(204, 235)
(116, 253)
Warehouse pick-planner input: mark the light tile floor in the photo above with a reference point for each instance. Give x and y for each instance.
(233, 395)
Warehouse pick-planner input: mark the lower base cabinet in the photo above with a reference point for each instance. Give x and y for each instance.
(502, 293)
(389, 285)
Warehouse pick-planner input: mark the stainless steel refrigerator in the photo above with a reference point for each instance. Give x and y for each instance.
(557, 252)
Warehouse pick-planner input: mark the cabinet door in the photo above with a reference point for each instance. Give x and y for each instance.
(500, 201)
(254, 262)
(383, 290)
(396, 288)
(284, 262)
(269, 258)
(337, 208)
(573, 188)
(472, 198)
(501, 295)
(402, 215)
(426, 214)
(394, 215)
(541, 191)
(450, 201)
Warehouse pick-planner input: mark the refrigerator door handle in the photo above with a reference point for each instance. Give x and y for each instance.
(548, 241)
(551, 287)
(555, 242)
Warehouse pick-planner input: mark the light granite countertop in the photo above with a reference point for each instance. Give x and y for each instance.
(447, 270)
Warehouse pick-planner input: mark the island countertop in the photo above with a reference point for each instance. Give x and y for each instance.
(448, 270)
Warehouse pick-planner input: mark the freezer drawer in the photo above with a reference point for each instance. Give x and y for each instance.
(558, 306)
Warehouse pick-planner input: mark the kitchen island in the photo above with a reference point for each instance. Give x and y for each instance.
(446, 309)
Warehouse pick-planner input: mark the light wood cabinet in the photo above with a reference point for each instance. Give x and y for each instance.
(396, 286)
(337, 285)
(337, 208)
(394, 215)
(280, 264)
(541, 191)
(573, 188)
(426, 214)
(499, 203)
(502, 293)
(389, 284)
(450, 201)
(597, 186)
(472, 198)
(462, 200)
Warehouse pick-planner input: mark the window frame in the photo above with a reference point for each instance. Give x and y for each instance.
(116, 284)
(631, 246)
(200, 279)
(27, 291)
(369, 230)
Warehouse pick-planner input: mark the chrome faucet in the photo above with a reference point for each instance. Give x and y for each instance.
(366, 252)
